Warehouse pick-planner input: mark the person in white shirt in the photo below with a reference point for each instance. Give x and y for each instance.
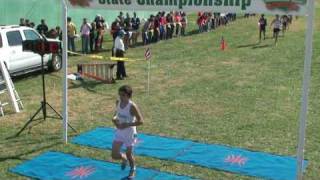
(276, 28)
(119, 51)
(85, 36)
(126, 118)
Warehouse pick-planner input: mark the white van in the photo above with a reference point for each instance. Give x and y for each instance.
(18, 61)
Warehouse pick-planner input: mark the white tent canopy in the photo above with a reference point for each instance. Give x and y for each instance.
(294, 7)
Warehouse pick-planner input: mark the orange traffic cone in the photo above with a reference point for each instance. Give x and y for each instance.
(223, 44)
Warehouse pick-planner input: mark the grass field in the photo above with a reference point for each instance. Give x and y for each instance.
(247, 96)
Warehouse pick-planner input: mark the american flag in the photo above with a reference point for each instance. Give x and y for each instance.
(147, 54)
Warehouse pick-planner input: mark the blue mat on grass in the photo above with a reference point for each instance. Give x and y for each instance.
(60, 166)
(257, 164)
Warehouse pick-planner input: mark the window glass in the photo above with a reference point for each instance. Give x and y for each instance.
(14, 38)
(31, 35)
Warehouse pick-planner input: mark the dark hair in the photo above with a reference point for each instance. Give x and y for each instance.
(126, 89)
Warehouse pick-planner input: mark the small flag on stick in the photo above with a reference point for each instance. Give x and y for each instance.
(147, 54)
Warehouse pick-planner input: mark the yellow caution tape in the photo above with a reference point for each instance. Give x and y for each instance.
(75, 53)
(121, 59)
(98, 57)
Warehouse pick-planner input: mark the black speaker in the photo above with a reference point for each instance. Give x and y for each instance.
(41, 46)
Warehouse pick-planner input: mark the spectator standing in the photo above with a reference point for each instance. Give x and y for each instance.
(156, 28)
(184, 22)
(100, 27)
(42, 28)
(22, 22)
(163, 24)
(145, 30)
(177, 20)
(135, 22)
(119, 51)
(85, 35)
(72, 31)
(27, 23)
(59, 33)
(93, 35)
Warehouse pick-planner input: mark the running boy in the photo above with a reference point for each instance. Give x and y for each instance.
(127, 117)
(262, 27)
(276, 28)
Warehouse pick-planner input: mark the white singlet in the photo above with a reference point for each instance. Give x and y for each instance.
(128, 135)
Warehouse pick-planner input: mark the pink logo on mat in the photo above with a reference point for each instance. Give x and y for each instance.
(81, 172)
(232, 159)
(138, 142)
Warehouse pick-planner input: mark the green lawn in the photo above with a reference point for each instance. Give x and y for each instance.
(247, 96)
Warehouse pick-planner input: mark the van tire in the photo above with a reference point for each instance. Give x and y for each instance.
(55, 63)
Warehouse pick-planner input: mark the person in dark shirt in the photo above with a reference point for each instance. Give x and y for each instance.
(170, 25)
(32, 25)
(156, 28)
(121, 18)
(42, 28)
(128, 29)
(127, 23)
(285, 23)
(115, 28)
(27, 23)
(59, 33)
(22, 22)
(184, 22)
(93, 35)
(135, 21)
(262, 27)
(99, 20)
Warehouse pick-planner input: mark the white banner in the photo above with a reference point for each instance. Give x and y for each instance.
(294, 7)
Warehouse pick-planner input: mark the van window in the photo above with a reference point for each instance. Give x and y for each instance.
(31, 35)
(14, 38)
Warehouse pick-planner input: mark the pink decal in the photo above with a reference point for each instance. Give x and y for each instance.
(232, 159)
(137, 142)
(80, 172)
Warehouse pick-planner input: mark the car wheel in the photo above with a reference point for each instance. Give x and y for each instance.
(56, 63)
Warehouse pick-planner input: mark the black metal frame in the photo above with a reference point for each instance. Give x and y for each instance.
(44, 103)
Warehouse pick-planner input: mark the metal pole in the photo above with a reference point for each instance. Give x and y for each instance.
(149, 66)
(44, 101)
(65, 71)
(306, 82)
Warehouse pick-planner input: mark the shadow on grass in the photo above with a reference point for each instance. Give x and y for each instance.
(193, 32)
(23, 143)
(261, 46)
(270, 37)
(19, 156)
(248, 45)
(21, 77)
(35, 122)
(86, 84)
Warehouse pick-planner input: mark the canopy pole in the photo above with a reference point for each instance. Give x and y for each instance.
(306, 82)
(65, 71)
